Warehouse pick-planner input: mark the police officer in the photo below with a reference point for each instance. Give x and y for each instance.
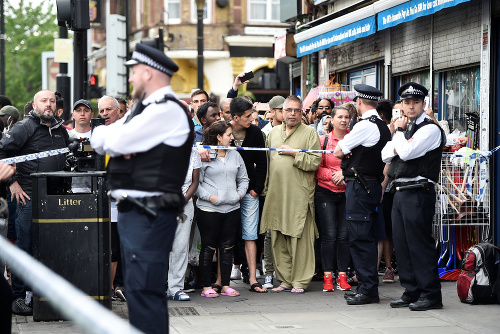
(362, 168)
(415, 157)
(150, 149)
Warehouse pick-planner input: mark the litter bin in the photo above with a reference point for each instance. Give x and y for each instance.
(71, 236)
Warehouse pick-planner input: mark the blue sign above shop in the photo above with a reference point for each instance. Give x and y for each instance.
(350, 32)
(411, 10)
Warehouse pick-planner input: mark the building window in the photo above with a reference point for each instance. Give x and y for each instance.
(367, 76)
(172, 12)
(460, 96)
(207, 12)
(264, 10)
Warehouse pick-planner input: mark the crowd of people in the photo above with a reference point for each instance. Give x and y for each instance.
(291, 216)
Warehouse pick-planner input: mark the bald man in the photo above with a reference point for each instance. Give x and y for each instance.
(39, 131)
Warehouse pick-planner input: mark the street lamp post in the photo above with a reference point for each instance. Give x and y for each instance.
(200, 4)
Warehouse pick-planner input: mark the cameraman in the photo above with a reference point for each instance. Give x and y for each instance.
(82, 113)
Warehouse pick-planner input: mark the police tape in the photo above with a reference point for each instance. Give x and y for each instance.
(35, 156)
(477, 154)
(239, 148)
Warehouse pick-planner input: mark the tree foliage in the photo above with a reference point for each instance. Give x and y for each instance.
(30, 29)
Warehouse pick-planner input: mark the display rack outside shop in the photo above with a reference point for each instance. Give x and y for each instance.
(462, 216)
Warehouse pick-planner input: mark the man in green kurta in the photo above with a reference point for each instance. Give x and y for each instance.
(289, 207)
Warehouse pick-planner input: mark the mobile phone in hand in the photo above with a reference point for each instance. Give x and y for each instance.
(247, 76)
(396, 113)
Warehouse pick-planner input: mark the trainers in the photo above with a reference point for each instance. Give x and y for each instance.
(328, 283)
(389, 276)
(235, 274)
(19, 307)
(268, 282)
(179, 296)
(342, 283)
(120, 293)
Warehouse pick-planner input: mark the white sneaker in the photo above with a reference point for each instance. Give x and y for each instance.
(235, 274)
(257, 273)
(268, 282)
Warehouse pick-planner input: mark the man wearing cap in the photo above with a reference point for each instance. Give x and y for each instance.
(146, 183)
(82, 114)
(414, 155)
(276, 108)
(362, 169)
(39, 131)
(9, 116)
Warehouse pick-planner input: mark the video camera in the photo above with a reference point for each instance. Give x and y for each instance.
(83, 158)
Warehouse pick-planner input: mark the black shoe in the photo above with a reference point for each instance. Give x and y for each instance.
(361, 299)
(246, 277)
(349, 294)
(424, 304)
(19, 307)
(401, 302)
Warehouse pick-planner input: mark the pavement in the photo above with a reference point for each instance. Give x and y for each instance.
(312, 312)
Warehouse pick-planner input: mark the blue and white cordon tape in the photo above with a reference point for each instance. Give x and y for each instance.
(237, 148)
(35, 156)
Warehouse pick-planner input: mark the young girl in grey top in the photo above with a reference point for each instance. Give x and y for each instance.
(223, 182)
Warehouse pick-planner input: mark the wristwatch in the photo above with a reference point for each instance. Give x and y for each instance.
(400, 129)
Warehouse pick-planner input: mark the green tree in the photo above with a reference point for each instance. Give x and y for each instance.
(30, 29)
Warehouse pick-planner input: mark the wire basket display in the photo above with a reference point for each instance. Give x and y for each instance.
(462, 216)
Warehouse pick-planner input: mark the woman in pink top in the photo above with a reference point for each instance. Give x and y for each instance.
(330, 205)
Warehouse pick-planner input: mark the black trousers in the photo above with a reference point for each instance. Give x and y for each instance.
(218, 232)
(360, 214)
(412, 215)
(145, 247)
(5, 306)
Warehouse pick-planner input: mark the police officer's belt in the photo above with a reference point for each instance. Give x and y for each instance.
(413, 185)
(167, 201)
(366, 177)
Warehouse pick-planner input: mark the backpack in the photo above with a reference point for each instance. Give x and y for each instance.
(479, 278)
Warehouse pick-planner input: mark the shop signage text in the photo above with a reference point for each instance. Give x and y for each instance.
(350, 32)
(411, 10)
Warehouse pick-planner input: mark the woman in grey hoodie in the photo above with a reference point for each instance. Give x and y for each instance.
(223, 182)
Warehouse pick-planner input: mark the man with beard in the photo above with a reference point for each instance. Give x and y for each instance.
(289, 208)
(39, 131)
(145, 182)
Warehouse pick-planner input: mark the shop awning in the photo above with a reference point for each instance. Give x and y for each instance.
(340, 30)
(411, 10)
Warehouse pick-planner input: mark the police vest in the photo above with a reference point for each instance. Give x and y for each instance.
(368, 160)
(163, 168)
(427, 166)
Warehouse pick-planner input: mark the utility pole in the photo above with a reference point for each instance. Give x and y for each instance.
(63, 81)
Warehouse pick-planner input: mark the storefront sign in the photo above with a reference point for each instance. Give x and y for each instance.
(280, 47)
(411, 10)
(350, 32)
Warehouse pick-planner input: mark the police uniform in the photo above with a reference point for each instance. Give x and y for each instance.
(415, 169)
(363, 173)
(150, 150)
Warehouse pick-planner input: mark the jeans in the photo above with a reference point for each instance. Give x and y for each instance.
(330, 208)
(249, 217)
(217, 231)
(24, 216)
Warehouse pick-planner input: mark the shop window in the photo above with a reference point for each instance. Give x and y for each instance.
(459, 96)
(367, 76)
(264, 10)
(172, 11)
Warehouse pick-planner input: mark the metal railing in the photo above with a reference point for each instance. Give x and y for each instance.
(64, 297)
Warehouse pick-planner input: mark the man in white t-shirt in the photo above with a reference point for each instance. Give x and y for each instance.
(82, 113)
